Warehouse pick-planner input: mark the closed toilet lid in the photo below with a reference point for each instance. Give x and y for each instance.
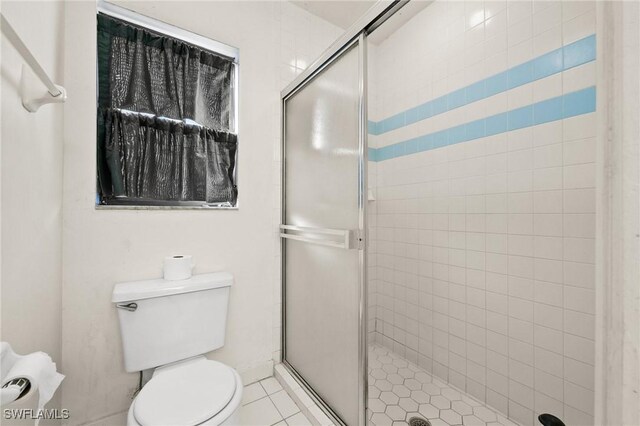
(185, 394)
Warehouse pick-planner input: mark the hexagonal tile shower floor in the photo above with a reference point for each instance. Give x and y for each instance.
(400, 390)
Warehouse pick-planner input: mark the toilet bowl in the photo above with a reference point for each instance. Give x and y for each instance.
(197, 391)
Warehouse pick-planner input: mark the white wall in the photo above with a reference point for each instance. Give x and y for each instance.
(485, 249)
(32, 187)
(101, 248)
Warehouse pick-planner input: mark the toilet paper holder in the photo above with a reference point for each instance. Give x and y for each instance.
(21, 383)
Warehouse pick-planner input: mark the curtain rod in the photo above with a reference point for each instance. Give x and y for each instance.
(58, 93)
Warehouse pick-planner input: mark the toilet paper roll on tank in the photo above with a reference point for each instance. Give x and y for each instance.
(37, 369)
(178, 267)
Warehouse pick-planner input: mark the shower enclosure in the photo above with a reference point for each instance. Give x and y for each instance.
(324, 229)
(324, 212)
(438, 218)
(323, 232)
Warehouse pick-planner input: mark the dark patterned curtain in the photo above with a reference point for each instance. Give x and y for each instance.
(165, 111)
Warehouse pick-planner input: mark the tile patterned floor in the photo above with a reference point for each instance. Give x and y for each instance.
(266, 403)
(399, 390)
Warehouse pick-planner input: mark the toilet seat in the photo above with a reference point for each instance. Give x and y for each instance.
(190, 392)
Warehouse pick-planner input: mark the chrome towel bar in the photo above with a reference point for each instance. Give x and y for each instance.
(344, 238)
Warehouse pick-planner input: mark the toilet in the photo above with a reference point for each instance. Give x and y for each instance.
(168, 326)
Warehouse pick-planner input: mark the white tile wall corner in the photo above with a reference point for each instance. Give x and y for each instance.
(483, 252)
(101, 248)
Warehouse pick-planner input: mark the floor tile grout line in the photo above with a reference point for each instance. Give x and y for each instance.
(256, 400)
(278, 410)
(269, 396)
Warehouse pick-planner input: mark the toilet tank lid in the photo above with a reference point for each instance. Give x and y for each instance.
(138, 290)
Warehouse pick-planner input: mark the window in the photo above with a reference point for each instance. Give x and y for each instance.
(166, 119)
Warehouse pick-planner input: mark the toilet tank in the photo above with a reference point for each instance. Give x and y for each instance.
(165, 321)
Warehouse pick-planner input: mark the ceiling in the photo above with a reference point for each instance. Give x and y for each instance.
(343, 13)
(397, 21)
(340, 13)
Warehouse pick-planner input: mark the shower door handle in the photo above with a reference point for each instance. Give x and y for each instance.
(338, 238)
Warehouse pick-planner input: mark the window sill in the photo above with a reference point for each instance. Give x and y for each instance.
(125, 207)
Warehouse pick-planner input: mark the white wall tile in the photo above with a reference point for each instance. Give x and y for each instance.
(520, 393)
(579, 299)
(549, 293)
(579, 250)
(548, 338)
(579, 225)
(498, 232)
(579, 176)
(548, 361)
(547, 202)
(548, 247)
(579, 200)
(546, 404)
(579, 373)
(578, 397)
(577, 417)
(579, 27)
(579, 348)
(578, 78)
(579, 274)
(580, 324)
(549, 385)
(547, 156)
(548, 225)
(549, 316)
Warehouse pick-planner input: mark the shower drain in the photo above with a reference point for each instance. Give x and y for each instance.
(417, 421)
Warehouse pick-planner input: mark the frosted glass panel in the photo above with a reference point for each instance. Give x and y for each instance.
(322, 322)
(322, 148)
(321, 188)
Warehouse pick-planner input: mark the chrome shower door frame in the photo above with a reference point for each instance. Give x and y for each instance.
(360, 44)
(355, 35)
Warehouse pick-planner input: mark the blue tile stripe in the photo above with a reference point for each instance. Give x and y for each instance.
(562, 59)
(565, 106)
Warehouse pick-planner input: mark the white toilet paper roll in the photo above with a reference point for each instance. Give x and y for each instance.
(36, 367)
(178, 267)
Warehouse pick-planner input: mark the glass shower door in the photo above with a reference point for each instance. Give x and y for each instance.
(323, 232)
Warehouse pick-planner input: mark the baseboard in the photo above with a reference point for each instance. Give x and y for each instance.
(256, 373)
